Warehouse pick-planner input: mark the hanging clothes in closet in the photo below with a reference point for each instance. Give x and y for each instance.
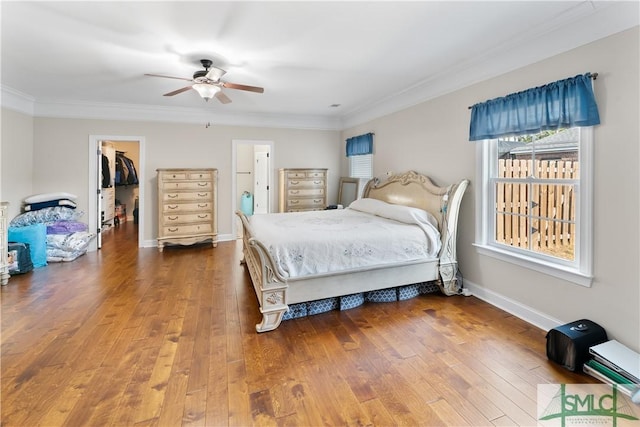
(106, 172)
(125, 170)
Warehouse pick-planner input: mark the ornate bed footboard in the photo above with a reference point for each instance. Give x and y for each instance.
(269, 286)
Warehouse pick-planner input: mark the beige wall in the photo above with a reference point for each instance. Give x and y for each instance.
(16, 159)
(433, 138)
(61, 156)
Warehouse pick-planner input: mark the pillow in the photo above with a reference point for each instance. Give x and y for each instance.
(46, 215)
(36, 236)
(78, 241)
(47, 197)
(367, 205)
(406, 214)
(66, 227)
(49, 204)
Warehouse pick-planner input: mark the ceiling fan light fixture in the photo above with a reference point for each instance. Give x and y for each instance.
(206, 91)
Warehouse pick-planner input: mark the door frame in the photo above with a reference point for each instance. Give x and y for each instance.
(234, 171)
(94, 145)
(266, 157)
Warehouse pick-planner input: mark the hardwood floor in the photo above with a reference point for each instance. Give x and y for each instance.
(129, 336)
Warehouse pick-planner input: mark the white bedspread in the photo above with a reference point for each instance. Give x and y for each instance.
(310, 243)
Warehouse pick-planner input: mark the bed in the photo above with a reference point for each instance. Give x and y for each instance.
(278, 273)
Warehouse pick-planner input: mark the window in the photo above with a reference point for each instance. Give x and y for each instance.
(361, 166)
(536, 201)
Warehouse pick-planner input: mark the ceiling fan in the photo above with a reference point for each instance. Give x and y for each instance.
(208, 84)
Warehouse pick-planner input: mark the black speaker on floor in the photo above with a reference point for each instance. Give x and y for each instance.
(569, 344)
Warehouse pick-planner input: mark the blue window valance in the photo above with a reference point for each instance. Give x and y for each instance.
(359, 145)
(565, 103)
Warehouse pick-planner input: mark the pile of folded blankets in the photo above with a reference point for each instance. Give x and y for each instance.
(50, 224)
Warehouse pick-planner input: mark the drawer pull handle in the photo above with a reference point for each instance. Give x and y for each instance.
(295, 182)
(172, 196)
(172, 206)
(172, 218)
(294, 202)
(294, 191)
(202, 184)
(202, 194)
(316, 201)
(202, 206)
(173, 230)
(203, 216)
(317, 182)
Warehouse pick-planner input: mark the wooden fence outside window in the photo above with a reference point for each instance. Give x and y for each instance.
(552, 225)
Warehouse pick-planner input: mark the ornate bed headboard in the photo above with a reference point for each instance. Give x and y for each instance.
(416, 190)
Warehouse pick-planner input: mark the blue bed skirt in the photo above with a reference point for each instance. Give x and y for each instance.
(346, 302)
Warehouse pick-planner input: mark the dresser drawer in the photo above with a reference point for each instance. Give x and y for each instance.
(305, 174)
(305, 192)
(187, 185)
(187, 207)
(299, 183)
(296, 174)
(316, 174)
(173, 176)
(200, 175)
(306, 203)
(205, 196)
(188, 176)
(185, 230)
(189, 218)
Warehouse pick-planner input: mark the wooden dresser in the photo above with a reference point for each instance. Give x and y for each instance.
(4, 245)
(187, 206)
(302, 190)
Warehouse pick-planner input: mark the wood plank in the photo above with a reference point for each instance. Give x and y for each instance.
(147, 338)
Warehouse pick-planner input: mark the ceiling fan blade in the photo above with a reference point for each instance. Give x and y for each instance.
(215, 74)
(175, 92)
(243, 87)
(223, 98)
(168, 77)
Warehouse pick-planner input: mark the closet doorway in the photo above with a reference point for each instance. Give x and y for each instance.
(116, 190)
(252, 173)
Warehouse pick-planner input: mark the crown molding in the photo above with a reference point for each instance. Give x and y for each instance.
(15, 100)
(584, 24)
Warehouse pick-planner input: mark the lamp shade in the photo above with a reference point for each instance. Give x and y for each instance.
(207, 91)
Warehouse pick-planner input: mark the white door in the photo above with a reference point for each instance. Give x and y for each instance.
(261, 183)
(99, 195)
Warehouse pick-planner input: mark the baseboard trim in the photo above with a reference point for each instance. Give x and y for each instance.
(522, 311)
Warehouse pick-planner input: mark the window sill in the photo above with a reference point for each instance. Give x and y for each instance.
(561, 272)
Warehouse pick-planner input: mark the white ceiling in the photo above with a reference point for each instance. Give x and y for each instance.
(87, 58)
